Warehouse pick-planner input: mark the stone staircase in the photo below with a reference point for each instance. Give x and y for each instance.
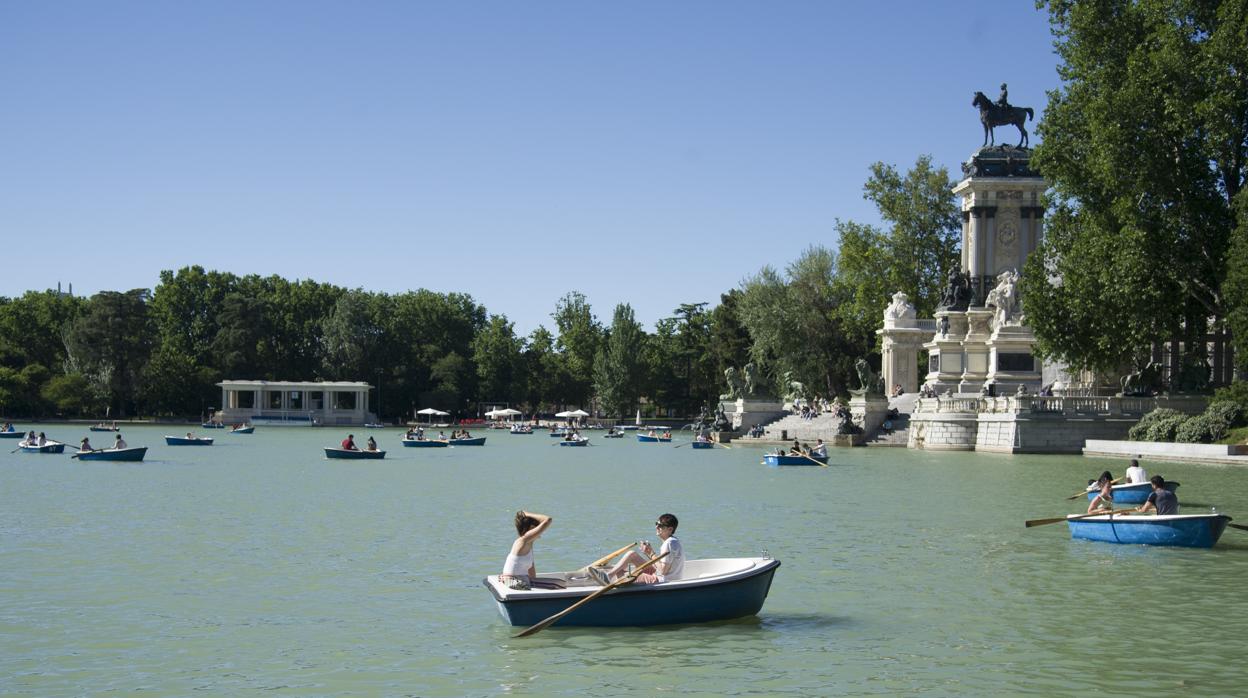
(793, 426)
(899, 435)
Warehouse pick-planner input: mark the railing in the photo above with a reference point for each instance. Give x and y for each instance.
(1103, 405)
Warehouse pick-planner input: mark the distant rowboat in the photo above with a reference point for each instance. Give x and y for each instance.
(1183, 530)
(342, 453)
(50, 447)
(242, 430)
(212, 425)
(113, 454)
(650, 439)
(583, 441)
(184, 441)
(101, 427)
(773, 459)
(12, 434)
(425, 443)
(474, 441)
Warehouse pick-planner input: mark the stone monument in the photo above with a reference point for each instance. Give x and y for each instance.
(745, 404)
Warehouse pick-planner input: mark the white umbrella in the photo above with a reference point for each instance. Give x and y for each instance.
(430, 411)
(578, 413)
(565, 414)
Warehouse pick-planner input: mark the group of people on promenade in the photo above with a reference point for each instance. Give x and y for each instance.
(520, 570)
(1161, 500)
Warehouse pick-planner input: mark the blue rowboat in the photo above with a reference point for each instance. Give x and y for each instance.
(211, 425)
(701, 444)
(117, 454)
(183, 441)
(711, 590)
(649, 439)
(522, 430)
(100, 427)
(242, 430)
(616, 435)
(1131, 494)
(1185, 530)
(354, 455)
(773, 459)
(474, 441)
(12, 434)
(50, 447)
(559, 433)
(425, 443)
(578, 442)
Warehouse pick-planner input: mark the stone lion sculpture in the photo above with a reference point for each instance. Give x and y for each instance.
(736, 384)
(869, 381)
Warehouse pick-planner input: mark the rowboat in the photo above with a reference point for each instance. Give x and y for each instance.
(647, 439)
(184, 441)
(701, 444)
(49, 447)
(1131, 494)
(12, 434)
(1185, 530)
(212, 425)
(773, 459)
(710, 590)
(374, 425)
(425, 443)
(583, 441)
(474, 441)
(613, 435)
(242, 430)
(559, 433)
(353, 455)
(117, 454)
(101, 427)
(630, 427)
(521, 430)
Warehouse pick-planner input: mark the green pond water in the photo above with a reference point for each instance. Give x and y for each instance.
(258, 566)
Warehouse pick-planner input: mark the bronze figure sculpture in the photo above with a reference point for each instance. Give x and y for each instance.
(992, 115)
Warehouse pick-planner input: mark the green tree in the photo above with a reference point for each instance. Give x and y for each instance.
(69, 394)
(496, 352)
(548, 379)
(1145, 146)
(618, 374)
(580, 335)
(115, 338)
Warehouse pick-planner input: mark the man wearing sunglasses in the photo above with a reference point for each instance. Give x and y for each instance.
(666, 570)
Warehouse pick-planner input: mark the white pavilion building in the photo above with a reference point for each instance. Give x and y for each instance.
(295, 403)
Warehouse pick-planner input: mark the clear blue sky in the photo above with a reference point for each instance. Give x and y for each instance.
(653, 153)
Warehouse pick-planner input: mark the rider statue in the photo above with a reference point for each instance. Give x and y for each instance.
(1004, 100)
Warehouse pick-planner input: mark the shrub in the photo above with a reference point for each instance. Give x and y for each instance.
(1234, 395)
(1196, 430)
(1162, 422)
(1223, 417)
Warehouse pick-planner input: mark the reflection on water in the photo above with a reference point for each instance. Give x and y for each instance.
(259, 565)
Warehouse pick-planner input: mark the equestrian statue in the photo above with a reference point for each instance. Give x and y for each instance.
(1001, 113)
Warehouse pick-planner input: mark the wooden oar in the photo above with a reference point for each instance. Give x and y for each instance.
(722, 445)
(1043, 522)
(1242, 528)
(542, 625)
(1086, 490)
(607, 558)
(813, 460)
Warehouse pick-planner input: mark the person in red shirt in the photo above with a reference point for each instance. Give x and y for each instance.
(348, 444)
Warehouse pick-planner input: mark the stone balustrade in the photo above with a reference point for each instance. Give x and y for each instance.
(1106, 405)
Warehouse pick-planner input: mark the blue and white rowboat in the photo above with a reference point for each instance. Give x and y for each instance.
(183, 441)
(711, 590)
(701, 444)
(212, 425)
(474, 441)
(425, 443)
(583, 441)
(12, 434)
(345, 454)
(49, 447)
(242, 430)
(650, 439)
(1131, 494)
(773, 459)
(114, 454)
(1185, 530)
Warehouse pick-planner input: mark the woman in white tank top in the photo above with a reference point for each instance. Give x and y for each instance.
(519, 568)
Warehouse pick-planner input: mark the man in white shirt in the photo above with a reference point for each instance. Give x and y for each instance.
(1135, 474)
(669, 569)
(120, 443)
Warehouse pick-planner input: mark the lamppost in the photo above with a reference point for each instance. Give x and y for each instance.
(379, 417)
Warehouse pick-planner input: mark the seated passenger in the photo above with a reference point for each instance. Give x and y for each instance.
(669, 569)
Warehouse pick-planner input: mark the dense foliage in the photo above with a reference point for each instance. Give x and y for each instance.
(1146, 149)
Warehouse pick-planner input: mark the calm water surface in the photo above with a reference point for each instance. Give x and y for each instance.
(257, 565)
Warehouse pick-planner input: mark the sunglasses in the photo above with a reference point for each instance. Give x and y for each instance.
(660, 525)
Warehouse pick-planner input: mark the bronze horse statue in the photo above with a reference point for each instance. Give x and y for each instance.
(992, 115)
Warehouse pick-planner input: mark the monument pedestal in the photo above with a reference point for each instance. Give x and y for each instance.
(868, 411)
(1013, 363)
(750, 412)
(975, 350)
(944, 351)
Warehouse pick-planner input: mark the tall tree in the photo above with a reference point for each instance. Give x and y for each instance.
(1145, 146)
(115, 338)
(496, 352)
(580, 335)
(618, 371)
